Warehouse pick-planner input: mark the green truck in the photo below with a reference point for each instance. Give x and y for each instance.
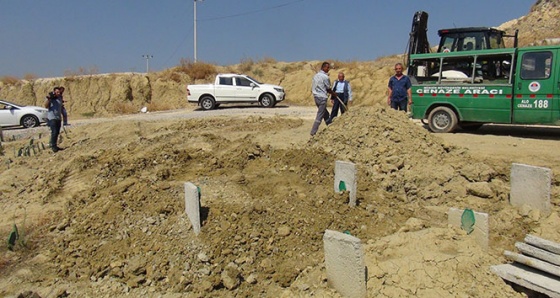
(474, 79)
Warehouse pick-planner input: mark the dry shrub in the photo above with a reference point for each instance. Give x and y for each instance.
(125, 108)
(230, 69)
(9, 80)
(336, 64)
(257, 72)
(159, 106)
(170, 75)
(291, 67)
(198, 70)
(30, 76)
(389, 60)
(246, 65)
(81, 71)
(268, 60)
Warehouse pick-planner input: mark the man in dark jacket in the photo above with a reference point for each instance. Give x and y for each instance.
(54, 116)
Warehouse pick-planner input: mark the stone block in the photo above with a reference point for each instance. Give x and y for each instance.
(346, 172)
(531, 186)
(481, 230)
(344, 261)
(192, 205)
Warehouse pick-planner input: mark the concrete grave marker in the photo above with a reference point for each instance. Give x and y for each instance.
(345, 179)
(530, 186)
(192, 205)
(480, 228)
(344, 260)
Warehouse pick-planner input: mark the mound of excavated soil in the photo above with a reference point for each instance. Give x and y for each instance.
(116, 225)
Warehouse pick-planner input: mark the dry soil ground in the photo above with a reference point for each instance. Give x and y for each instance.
(105, 217)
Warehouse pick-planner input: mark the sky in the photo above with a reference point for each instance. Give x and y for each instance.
(51, 38)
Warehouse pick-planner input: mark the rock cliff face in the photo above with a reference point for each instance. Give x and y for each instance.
(98, 95)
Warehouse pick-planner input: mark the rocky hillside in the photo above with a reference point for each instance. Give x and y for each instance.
(541, 26)
(98, 95)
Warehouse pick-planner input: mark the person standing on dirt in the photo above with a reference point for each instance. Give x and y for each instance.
(54, 105)
(64, 113)
(344, 93)
(400, 94)
(321, 88)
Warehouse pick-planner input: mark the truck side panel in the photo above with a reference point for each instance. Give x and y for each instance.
(536, 87)
(473, 103)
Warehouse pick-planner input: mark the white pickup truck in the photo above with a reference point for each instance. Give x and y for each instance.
(234, 88)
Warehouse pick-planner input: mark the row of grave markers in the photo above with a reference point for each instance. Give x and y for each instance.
(344, 256)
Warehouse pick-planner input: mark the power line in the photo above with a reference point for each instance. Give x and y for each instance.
(226, 17)
(250, 12)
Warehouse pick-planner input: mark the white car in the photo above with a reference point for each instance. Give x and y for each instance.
(12, 114)
(235, 88)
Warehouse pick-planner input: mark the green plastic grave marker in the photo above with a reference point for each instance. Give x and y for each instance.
(342, 186)
(467, 221)
(14, 235)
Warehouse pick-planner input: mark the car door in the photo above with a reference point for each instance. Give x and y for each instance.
(225, 90)
(8, 115)
(246, 89)
(534, 100)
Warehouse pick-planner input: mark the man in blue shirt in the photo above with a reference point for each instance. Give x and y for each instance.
(321, 88)
(344, 93)
(400, 94)
(54, 116)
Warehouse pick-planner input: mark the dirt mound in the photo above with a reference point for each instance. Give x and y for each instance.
(265, 206)
(403, 161)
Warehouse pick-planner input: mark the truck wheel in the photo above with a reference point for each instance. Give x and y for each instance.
(207, 103)
(442, 120)
(267, 101)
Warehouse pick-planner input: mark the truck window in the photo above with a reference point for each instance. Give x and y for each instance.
(241, 81)
(496, 41)
(536, 65)
(226, 81)
(495, 68)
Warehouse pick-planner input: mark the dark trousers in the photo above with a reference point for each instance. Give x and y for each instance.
(399, 105)
(337, 105)
(55, 131)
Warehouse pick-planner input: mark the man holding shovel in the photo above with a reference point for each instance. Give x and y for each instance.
(321, 88)
(344, 93)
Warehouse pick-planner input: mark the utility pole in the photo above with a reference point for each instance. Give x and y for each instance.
(147, 57)
(195, 57)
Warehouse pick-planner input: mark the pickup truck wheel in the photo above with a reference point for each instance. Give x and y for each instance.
(207, 103)
(267, 100)
(442, 120)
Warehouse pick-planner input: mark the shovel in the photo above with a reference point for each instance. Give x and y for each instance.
(342, 103)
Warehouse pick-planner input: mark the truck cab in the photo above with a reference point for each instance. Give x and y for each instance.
(469, 39)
